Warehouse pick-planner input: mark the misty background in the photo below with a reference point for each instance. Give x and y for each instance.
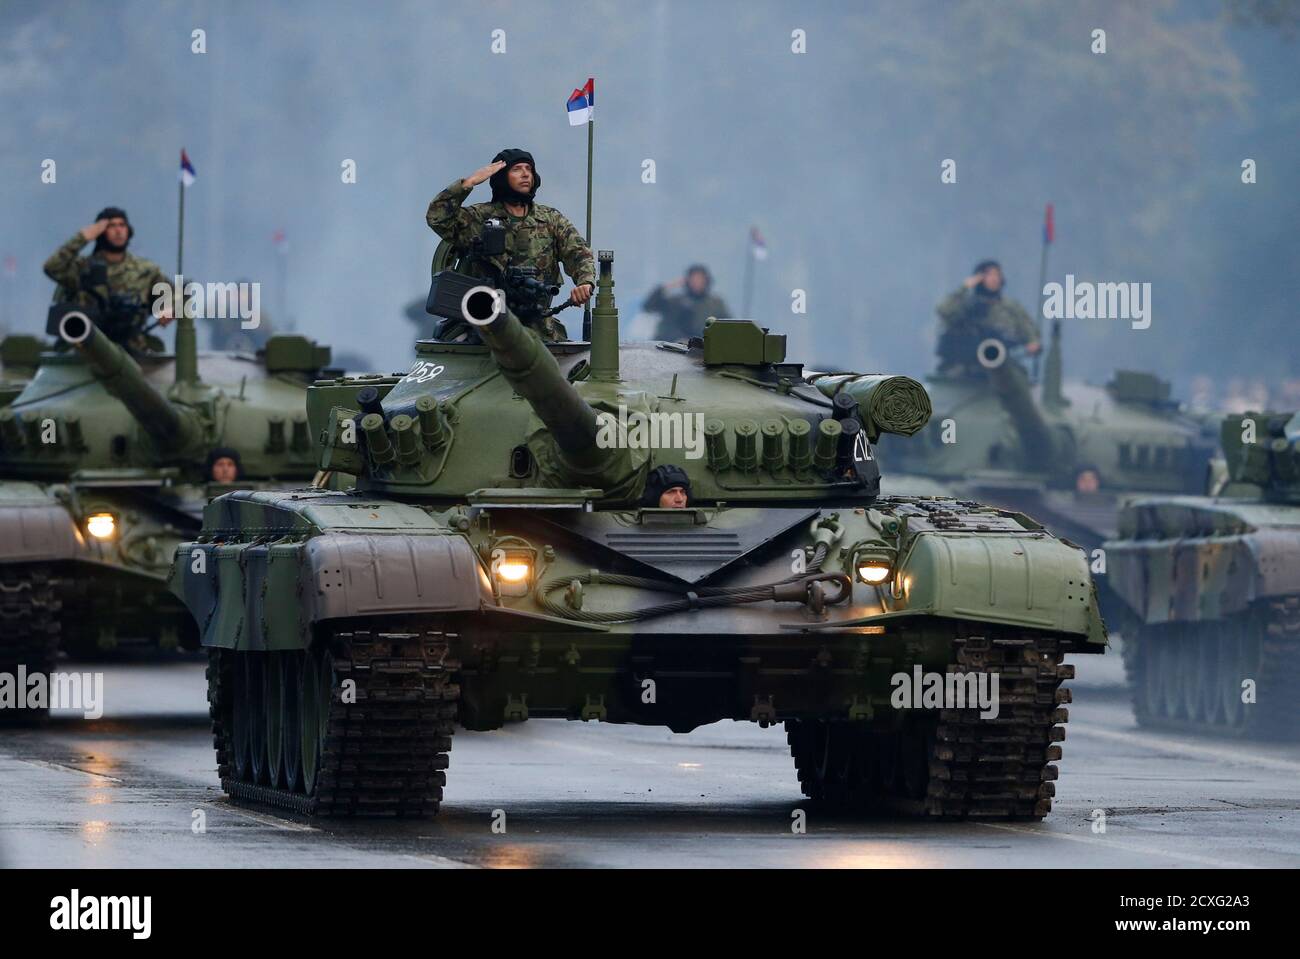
(834, 154)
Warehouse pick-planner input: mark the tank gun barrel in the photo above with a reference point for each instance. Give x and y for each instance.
(529, 367)
(169, 426)
(1038, 444)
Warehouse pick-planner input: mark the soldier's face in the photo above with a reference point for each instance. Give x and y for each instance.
(993, 279)
(520, 177)
(224, 470)
(698, 282)
(673, 498)
(117, 232)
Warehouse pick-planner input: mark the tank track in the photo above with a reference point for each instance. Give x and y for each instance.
(953, 765)
(1276, 711)
(383, 754)
(30, 605)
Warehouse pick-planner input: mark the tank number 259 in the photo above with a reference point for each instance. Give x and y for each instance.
(422, 372)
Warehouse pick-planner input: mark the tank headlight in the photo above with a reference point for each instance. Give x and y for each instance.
(101, 525)
(873, 562)
(874, 572)
(513, 571)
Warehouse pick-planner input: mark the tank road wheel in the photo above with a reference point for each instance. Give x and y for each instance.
(314, 696)
(291, 664)
(1172, 649)
(272, 699)
(1207, 674)
(29, 631)
(1151, 689)
(255, 664)
(1189, 679)
(241, 719)
(1232, 658)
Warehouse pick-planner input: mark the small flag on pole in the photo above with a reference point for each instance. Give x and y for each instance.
(1049, 226)
(757, 245)
(187, 169)
(582, 103)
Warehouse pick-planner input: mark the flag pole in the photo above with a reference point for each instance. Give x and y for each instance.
(180, 229)
(591, 136)
(749, 279)
(1042, 282)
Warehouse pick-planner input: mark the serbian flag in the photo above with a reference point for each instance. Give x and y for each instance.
(187, 169)
(757, 245)
(1049, 226)
(582, 103)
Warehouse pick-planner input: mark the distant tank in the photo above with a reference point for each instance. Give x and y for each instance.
(1211, 586)
(505, 556)
(1065, 454)
(102, 473)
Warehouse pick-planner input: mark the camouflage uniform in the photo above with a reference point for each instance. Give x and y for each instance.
(132, 275)
(543, 238)
(682, 316)
(969, 317)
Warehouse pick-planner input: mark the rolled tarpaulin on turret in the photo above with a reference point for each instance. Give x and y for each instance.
(886, 403)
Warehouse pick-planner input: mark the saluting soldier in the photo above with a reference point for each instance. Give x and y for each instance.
(116, 283)
(536, 235)
(978, 311)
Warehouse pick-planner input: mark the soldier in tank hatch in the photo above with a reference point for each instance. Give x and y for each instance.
(667, 487)
(978, 311)
(115, 283)
(682, 315)
(536, 235)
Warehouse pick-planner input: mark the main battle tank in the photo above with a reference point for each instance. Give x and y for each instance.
(1067, 454)
(498, 560)
(102, 475)
(1212, 591)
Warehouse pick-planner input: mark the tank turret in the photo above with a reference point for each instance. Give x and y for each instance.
(533, 372)
(1262, 451)
(170, 426)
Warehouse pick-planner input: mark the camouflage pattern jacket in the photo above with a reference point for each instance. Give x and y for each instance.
(682, 316)
(968, 318)
(543, 238)
(131, 276)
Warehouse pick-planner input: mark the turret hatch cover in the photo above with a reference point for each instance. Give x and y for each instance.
(691, 552)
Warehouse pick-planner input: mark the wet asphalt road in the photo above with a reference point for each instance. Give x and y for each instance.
(126, 790)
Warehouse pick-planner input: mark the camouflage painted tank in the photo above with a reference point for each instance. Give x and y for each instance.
(1067, 454)
(102, 474)
(498, 560)
(1212, 590)
(997, 435)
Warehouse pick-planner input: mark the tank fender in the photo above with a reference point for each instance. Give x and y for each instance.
(35, 527)
(1033, 581)
(269, 595)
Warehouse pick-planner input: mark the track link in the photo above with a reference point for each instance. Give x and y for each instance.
(384, 749)
(30, 608)
(955, 764)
